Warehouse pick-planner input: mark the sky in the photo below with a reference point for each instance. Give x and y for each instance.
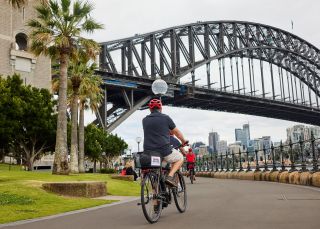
(124, 18)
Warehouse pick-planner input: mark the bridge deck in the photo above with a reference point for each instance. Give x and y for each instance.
(212, 204)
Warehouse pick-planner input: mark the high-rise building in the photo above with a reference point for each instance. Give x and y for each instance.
(251, 146)
(266, 143)
(262, 143)
(240, 136)
(202, 150)
(243, 135)
(246, 129)
(15, 56)
(235, 147)
(213, 141)
(222, 147)
(302, 132)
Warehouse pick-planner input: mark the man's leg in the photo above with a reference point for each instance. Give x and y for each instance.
(176, 160)
(175, 167)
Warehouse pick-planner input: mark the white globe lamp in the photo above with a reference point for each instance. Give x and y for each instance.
(159, 86)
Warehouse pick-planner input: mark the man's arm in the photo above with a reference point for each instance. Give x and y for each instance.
(179, 135)
(183, 151)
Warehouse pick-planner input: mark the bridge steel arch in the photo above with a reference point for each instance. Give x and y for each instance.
(180, 51)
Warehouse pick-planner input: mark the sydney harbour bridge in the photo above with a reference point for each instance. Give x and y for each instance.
(231, 66)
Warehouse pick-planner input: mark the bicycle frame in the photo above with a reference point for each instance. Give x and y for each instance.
(162, 189)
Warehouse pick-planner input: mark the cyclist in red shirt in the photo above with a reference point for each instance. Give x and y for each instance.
(191, 159)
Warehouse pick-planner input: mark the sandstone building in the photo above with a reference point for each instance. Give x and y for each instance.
(14, 53)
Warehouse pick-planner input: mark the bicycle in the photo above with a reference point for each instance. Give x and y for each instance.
(191, 172)
(156, 194)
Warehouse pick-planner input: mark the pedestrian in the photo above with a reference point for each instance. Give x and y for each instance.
(130, 171)
(120, 168)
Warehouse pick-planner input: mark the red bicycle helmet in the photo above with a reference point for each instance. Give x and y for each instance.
(155, 103)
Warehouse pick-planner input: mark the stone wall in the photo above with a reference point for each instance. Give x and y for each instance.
(88, 189)
(295, 177)
(35, 71)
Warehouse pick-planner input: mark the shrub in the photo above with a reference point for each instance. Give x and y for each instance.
(108, 171)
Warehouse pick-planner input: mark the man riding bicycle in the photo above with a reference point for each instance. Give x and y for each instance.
(191, 159)
(156, 127)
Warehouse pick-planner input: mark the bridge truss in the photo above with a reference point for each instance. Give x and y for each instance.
(230, 66)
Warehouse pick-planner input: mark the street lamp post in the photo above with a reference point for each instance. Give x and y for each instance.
(103, 155)
(130, 148)
(138, 140)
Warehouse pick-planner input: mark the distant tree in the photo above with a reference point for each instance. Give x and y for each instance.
(93, 148)
(11, 111)
(113, 146)
(27, 121)
(98, 141)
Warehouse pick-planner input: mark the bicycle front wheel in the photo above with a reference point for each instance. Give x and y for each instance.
(180, 193)
(150, 201)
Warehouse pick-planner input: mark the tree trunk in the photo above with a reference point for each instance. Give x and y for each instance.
(30, 164)
(74, 168)
(81, 140)
(60, 164)
(94, 166)
(29, 161)
(2, 155)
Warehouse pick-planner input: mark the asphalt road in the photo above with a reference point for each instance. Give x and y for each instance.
(213, 203)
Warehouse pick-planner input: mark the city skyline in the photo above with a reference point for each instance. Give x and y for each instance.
(277, 129)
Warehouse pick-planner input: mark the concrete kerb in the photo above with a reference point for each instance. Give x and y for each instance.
(284, 177)
(295, 177)
(306, 178)
(274, 176)
(265, 175)
(316, 179)
(249, 175)
(257, 175)
(245, 175)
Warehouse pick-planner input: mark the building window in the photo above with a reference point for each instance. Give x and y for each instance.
(21, 42)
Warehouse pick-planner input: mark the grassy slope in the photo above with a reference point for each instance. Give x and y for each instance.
(22, 196)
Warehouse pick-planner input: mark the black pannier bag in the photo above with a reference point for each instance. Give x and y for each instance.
(147, 159)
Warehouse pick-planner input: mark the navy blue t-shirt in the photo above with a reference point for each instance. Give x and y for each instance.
(175, 143)
(156, 127)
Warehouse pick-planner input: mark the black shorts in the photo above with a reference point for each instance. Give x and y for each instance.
(190, 163)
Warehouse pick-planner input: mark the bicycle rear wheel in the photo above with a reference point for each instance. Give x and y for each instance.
(191, 176)
(150, 201)
(180, 193)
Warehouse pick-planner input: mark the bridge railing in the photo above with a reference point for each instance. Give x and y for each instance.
(293, 156)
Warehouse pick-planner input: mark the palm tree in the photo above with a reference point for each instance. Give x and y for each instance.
(79, 71)
(56, 32)
(90, 95)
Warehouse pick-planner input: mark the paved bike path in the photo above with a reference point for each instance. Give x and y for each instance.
(213, 203)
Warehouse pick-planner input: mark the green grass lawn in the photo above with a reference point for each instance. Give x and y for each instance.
(21, 195)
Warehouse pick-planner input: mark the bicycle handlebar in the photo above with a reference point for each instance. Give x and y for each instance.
(185, 144)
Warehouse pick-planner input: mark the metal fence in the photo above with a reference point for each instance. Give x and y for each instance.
(294, 156)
